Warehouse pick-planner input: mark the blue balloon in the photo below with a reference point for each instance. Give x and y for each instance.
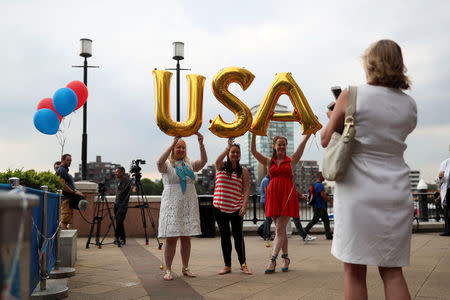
(65, 101)
(46, 121)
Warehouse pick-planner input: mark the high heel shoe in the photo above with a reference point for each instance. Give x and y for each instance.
(168, 275)
(187, 272)
(285, 269)
(274, 261)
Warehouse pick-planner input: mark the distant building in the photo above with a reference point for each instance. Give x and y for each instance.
(206, 179)
(264, 143)
(305, 175)
(414, 177)
(99, 171)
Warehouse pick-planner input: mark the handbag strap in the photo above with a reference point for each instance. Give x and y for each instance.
(349, 112)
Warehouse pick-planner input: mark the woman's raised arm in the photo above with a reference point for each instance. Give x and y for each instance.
(264, 160)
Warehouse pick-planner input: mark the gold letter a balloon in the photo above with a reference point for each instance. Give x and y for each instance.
(285, 84)
(162, 104)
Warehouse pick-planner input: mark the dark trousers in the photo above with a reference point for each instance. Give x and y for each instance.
(223, 221)
(120, 212)
(265, 226)
(299, 227)
(320, 213)
(447, 214)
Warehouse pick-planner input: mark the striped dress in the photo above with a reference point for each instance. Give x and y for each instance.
(228, 195)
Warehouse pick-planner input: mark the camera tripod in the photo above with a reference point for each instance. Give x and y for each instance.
(144, 206)
(100, 205)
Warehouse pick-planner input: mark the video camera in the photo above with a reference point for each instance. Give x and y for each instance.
(101, 188)
(135, 169)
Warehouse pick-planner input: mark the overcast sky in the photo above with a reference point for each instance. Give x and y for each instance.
(320, 42)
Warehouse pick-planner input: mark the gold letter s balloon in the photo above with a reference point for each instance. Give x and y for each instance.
(162, 104)
(243, 119)
(285, 84)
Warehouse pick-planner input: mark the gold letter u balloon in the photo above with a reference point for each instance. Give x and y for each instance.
(162, 104)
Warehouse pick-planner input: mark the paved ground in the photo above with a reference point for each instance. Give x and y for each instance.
(132, 272)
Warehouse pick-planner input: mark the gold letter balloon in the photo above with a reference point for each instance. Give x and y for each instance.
(244, 118)
(162, 104)
(284, 84)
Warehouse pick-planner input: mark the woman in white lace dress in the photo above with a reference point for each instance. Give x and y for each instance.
(179, 213)
(372, 202)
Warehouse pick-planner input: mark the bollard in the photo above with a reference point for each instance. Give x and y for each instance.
(58, 270)
(423, 206)
(254, 199)
(43, 238)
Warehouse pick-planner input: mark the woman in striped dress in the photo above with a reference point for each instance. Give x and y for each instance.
(230, 201)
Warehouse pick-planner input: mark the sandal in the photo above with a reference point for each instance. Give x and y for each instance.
(168, 275)
(225, 270)
(187, 272)
(274, 261)
(245, 269)
(285, 256)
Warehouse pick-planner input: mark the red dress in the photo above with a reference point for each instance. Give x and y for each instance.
(281, 195)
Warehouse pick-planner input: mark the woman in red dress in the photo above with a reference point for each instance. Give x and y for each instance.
(281, 195)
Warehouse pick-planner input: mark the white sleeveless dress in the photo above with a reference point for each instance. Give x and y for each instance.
(179, 213)
(373, 206)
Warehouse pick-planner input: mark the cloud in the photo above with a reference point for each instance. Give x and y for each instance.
(319, 43)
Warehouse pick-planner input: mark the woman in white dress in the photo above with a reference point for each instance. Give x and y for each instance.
(372, 203)
(179, 213)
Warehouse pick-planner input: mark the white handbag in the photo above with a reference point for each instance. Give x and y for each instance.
(337, 155)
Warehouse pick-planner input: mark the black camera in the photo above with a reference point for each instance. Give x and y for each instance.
(135, 168)
(101, 188)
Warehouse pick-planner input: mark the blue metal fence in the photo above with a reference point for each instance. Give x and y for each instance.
(36, 242)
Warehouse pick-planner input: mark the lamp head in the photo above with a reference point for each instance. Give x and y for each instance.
(178, 50)
(86, 48)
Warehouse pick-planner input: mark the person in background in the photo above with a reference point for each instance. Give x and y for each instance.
(444, 184)
(56, 166)
(264, 228)
(72, 199)
(231, 194)
(320, 207)
(121, 204)
(306, 237)
(373, 201)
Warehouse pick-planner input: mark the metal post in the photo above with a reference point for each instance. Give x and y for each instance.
(254, 199)
(14, 182)
(57, 245)
(84, 137)
(43, 238)
(178, 91)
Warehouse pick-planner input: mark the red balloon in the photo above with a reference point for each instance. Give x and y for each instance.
(80, 90)
(48, 103)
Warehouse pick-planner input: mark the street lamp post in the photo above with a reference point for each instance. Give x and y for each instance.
(178, 54)
(86, 51)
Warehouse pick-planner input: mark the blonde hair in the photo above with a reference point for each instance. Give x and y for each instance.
(383, 63)
(172, 155)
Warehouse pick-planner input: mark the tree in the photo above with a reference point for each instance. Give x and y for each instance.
(33, 179)
(152, 188)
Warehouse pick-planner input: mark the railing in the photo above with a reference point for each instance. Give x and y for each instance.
(424, 206)
(255, 211)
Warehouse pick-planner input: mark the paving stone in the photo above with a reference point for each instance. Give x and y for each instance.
(132, 272)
